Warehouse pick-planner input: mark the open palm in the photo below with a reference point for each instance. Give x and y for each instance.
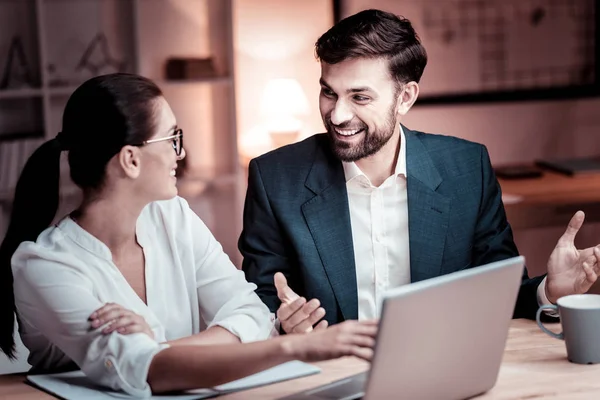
(571, 271)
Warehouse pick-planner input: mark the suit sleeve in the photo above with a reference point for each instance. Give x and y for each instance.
(494, 239)
(261, 242)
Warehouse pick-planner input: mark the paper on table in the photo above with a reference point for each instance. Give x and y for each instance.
(75, 385)
(283, 372)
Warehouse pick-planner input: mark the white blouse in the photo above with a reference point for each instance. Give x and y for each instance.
(190, 285)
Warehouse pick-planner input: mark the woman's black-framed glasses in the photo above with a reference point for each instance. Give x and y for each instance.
(176, 137)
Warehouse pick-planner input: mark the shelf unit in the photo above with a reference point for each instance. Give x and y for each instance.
(133, 36)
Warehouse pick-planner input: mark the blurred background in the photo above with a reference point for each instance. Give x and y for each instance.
(520, 76)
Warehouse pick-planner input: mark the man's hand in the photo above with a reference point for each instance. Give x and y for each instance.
(295, 314)
(571, 271)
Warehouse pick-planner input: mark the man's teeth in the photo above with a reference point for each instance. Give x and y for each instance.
(172, 172)
(348, 132)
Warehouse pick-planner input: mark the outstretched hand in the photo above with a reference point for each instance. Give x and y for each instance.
(571, 271)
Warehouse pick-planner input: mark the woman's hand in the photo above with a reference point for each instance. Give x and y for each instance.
(349, 338)
(119, 319)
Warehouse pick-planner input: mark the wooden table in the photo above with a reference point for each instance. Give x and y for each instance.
(534, 367)
(550, 200)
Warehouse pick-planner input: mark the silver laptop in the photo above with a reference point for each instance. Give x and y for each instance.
(442, 338)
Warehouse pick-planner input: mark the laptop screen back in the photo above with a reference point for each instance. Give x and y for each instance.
(444, 338)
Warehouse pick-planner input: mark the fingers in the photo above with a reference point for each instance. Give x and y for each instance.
(366, 328)
(362, 352)
(118, 323)
(316, 316)
(280, 282)
(303, 315)
(574, 225)
(306, 325)
(126, 325)
(359, 346)
(590, 273)
(104, 309)
(321, 325)
(299, 316)
(106, 314)
(119, 320)
(285, 311)
(362, 341)
(284, 292)
(136, 328)
(133, 326)
(591, 264)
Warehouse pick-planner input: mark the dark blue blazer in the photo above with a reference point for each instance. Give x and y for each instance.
(297, 221)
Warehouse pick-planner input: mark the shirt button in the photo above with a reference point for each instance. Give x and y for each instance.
(108, 364)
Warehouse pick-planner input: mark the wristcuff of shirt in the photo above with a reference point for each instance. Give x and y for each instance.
(126, 366)
(277, 330)
(543, 299)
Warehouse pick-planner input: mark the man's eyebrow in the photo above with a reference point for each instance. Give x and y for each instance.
(359, 89)
(351, 90)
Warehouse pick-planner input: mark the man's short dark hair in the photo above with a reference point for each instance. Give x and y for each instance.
(375, 34)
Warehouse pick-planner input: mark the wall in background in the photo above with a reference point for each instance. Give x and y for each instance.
(275, 39)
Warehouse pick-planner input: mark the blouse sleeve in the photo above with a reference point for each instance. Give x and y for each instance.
(226, 298)
(57, 301)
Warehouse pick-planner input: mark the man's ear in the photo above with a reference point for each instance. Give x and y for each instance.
(407, 97)
(130, 161)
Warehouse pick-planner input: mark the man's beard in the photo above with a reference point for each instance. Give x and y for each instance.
(371, 143)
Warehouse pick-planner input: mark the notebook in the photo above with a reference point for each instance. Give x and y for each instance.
(75, 385)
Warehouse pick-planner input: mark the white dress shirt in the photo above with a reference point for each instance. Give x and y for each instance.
(191, 284)
(380, 235)
(379, 220)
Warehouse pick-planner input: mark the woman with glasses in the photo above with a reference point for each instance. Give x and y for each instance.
(131, 286)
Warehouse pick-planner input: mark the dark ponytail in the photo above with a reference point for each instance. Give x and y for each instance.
(34, 207)
(102, 115)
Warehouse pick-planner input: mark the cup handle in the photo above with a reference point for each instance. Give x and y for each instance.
(541, 325)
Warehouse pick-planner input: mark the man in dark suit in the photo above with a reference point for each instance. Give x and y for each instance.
(371, 204)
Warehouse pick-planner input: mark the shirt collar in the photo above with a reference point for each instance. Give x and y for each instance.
(351, 170)
(83, 238)
(70, 228)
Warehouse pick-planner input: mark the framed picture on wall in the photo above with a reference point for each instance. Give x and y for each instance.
(500, 50)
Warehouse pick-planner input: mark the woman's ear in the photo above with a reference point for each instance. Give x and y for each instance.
(407, 97)
(130, 161)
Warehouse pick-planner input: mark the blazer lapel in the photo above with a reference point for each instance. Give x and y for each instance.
(328, 218)
(428, 211)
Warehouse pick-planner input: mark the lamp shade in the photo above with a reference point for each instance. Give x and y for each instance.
(283, 97)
